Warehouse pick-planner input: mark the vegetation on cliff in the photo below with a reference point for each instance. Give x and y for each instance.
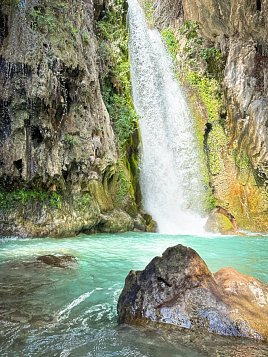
(115, 71)
(201, 61)
(61, 154)
(116, 90)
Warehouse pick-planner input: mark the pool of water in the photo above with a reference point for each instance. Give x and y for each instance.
(49, 311)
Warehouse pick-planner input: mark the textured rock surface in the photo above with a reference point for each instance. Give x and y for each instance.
(239, 30)
(179, 289)
(61, 261)
(55, 132)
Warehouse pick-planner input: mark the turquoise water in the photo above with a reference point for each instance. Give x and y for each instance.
(48, 311)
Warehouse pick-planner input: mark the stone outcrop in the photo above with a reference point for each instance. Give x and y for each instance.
(178, 289)
(220, 220)
(59, 170)
(238, 29)
(59, 261)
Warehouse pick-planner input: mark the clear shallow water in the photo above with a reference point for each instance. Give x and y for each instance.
(46, 311)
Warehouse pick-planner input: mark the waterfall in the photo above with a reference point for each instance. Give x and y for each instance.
(171, 182)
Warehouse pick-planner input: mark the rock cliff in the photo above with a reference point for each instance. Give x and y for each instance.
(234, 32)
(60, 171)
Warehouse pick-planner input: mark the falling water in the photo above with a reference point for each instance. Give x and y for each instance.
(170, 176)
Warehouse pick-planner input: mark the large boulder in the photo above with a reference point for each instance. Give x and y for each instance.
(179, 289)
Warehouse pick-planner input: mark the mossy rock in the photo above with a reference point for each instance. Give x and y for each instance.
(101, 196)
(217, 223)
(116, 222)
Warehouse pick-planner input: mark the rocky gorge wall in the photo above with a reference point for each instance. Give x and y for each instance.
(221, 54)
(61, 169)
(68, 131)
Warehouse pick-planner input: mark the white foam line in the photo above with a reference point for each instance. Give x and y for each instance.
(65, 312)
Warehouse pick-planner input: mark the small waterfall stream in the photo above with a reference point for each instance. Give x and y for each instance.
(170, 176)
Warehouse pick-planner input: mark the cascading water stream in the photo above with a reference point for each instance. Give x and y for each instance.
(171, 182)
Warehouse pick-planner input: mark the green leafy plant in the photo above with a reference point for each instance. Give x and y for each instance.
(41, 20)
(149, 11)
(73, 30)
(171, 42)
(116, 87)
(83, 201)
(55, 200)
(123, 183)
(24, 196)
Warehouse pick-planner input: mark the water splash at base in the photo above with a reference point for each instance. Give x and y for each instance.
(171, 182)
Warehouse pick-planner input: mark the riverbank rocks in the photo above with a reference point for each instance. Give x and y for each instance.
(59, 261)
(178, 289)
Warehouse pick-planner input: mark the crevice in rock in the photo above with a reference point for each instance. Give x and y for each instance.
(162, 280)
(19, 166)
(3, 27)
(36, 136)
(258, 5)
(65, 175)
(258, 48)
(208, 129)
(27, 126)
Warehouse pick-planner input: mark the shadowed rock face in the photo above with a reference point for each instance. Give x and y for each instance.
(179, 289)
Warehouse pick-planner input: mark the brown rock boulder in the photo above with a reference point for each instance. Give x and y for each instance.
(59, 261)
(179, 289)
(247, 296)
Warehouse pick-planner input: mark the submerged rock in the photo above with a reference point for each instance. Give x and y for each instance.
(62, 261)
(179, 289)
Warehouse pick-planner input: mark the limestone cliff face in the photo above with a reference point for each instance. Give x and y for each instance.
(238, 29)
(54, 125)
(58, 155)
(241, 30)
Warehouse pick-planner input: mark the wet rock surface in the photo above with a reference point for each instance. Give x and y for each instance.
(62, 261)
(58, 154)
(178, 289)
(19, 282)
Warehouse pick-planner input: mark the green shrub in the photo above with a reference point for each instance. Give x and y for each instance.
(73, 30)
(116, 87)
(41, 20)
(55, 200)
(149, 11)
(23, 196)
(209, 91)
(171, 42)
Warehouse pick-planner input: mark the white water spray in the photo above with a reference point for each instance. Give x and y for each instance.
(170, 176)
